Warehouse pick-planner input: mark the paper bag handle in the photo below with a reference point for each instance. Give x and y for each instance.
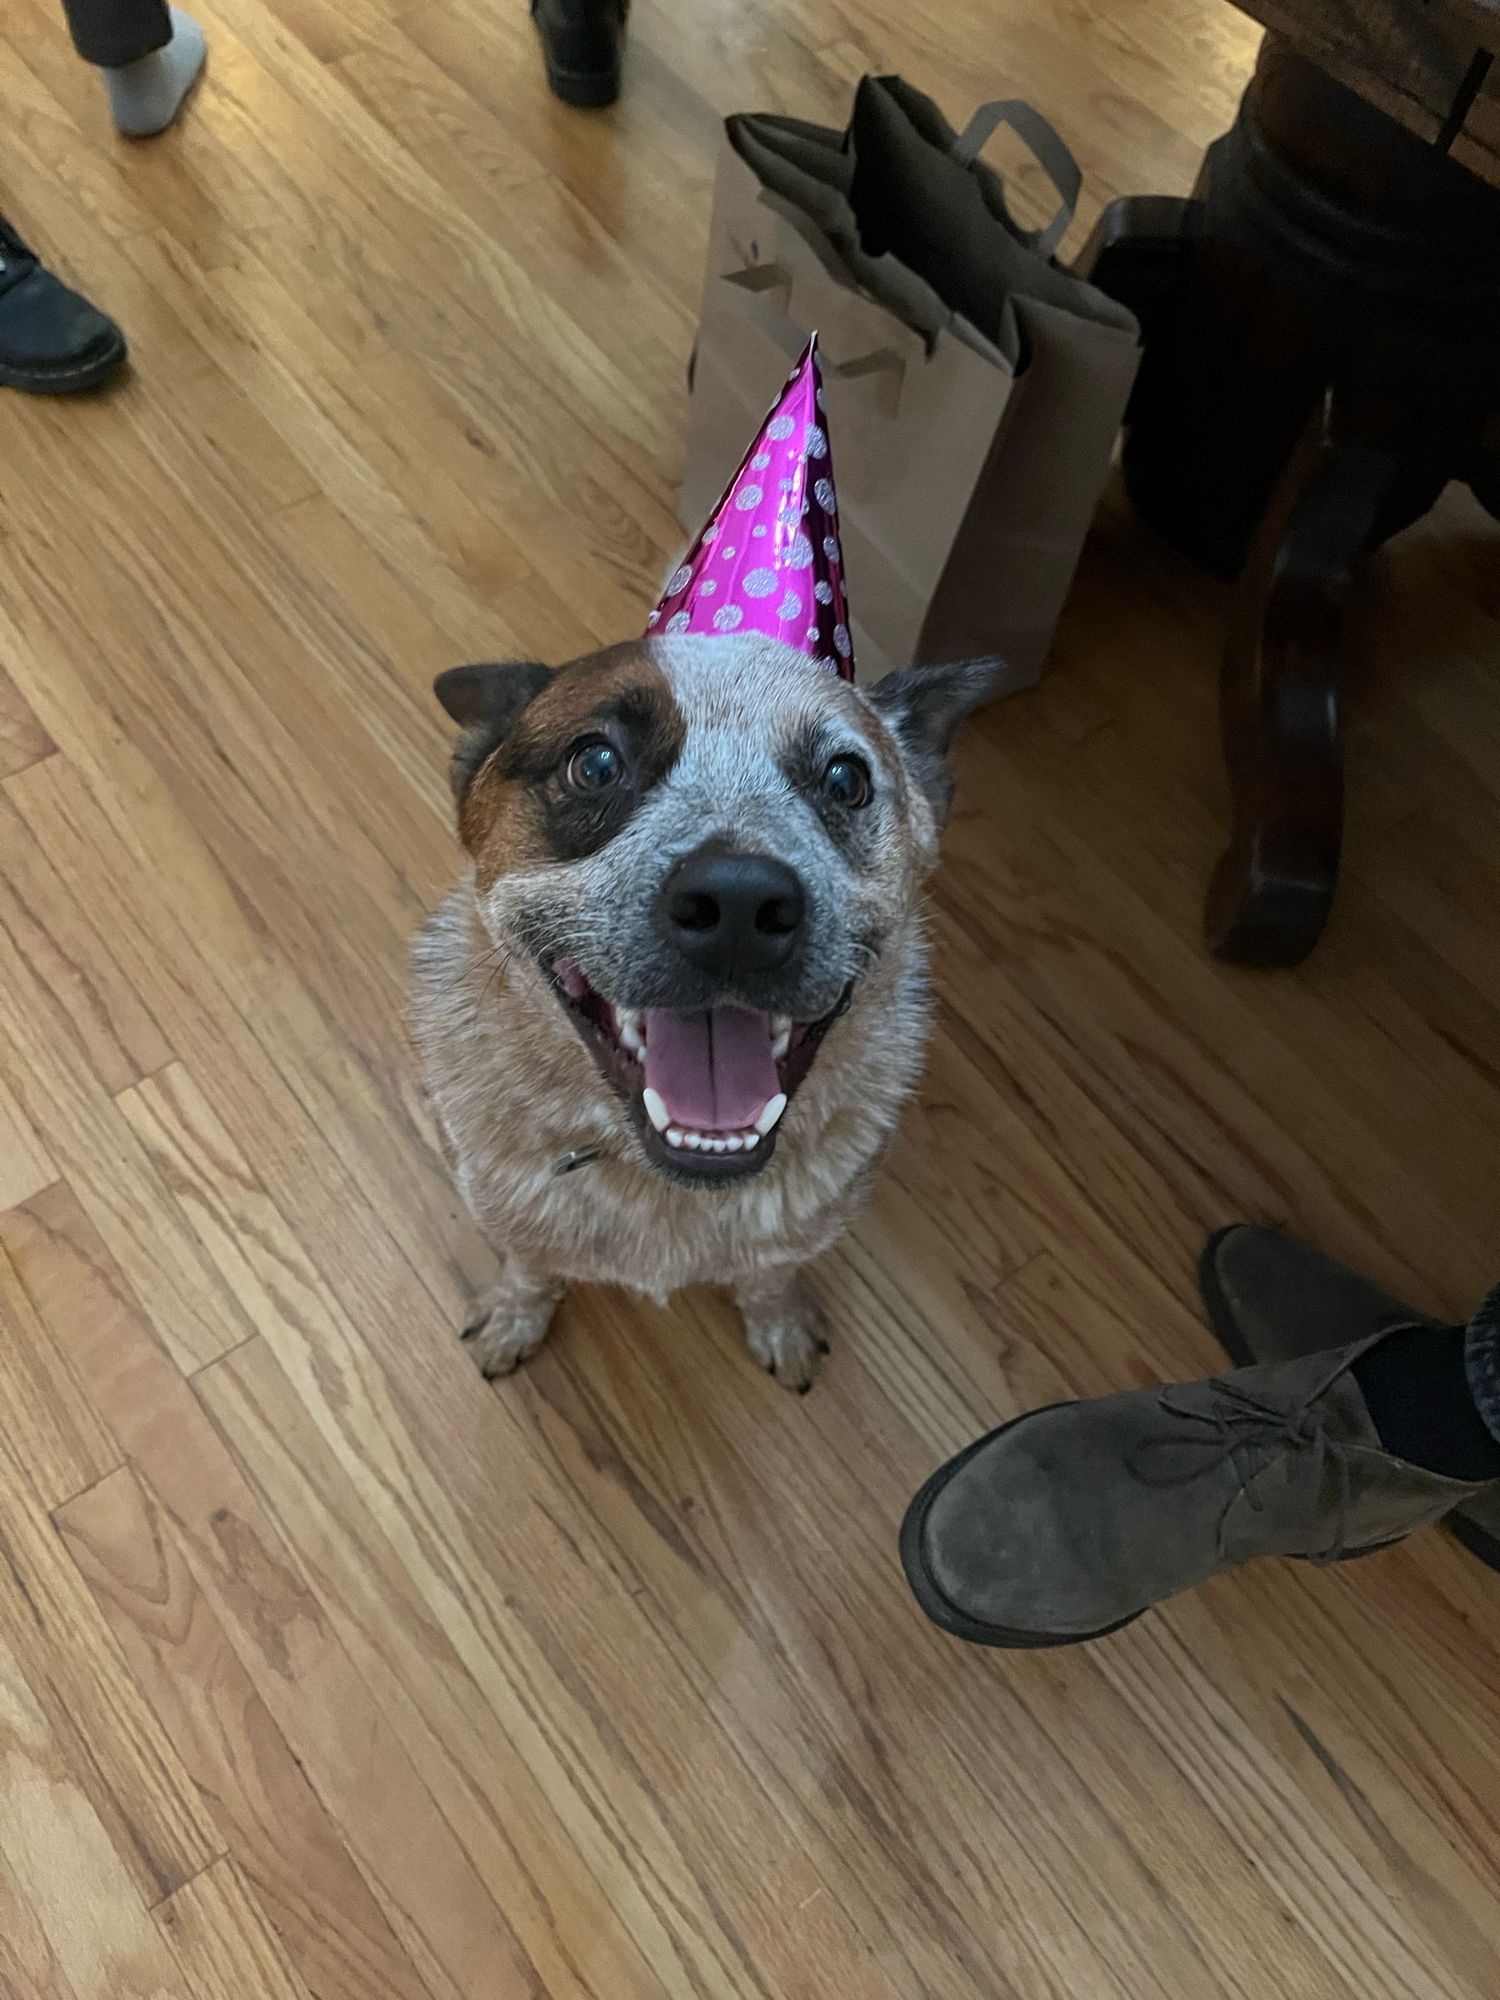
(758, 282)
(1045, 141)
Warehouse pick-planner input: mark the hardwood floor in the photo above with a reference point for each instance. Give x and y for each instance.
(327, 1671)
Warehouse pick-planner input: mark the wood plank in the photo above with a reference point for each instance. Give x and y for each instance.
(272, 1822)
(102, 1730)
(91, 1002)
(47, 1414)
(25, 1168)
(29, 1968)
(221, 1941)
(47, 1072)
(75, 1929)
(23, 740)
(420, 1882)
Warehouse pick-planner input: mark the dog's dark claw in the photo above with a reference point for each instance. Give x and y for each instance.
(824, 1348)
(803, 1387)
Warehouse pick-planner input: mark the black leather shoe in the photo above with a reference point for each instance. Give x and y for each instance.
(583, 41)
(52, 342)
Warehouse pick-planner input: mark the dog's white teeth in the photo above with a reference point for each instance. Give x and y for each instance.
(630, 1026)
(656, 1110)
(781, 1035)
(710, 1142)
(768, 1118)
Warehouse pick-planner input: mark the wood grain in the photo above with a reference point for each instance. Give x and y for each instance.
(74, 1928)
(23, 740)
(421, 1883)
(290, 1850)
(102, 1737)
(220, 1939)
(67, 1448)
(1414, 62)
(24, 1166)
(328, 1671)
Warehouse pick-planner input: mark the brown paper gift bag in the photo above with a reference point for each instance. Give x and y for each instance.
(970, 459)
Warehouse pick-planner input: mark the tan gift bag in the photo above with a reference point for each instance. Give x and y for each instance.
(969, 462)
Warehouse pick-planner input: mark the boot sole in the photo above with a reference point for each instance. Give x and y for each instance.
(1221, 1318)
(936, 1604)
(584, 90)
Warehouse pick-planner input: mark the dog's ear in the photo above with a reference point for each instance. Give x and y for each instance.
(486, 702)
(923, 708)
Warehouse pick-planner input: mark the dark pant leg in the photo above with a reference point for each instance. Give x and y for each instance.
(113, 32)
(1482, 1359)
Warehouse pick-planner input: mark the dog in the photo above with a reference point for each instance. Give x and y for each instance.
(669, 1017)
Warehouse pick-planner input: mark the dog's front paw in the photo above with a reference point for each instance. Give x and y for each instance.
(790, 1340)
(505, 1330)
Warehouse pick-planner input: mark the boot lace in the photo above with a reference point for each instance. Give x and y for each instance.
(1240, 1430)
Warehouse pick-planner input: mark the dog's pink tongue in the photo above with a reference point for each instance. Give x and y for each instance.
(714, 1071)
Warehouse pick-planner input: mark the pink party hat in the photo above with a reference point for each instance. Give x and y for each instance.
(769, 559)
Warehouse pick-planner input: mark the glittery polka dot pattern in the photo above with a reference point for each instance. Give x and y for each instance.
(781, 574)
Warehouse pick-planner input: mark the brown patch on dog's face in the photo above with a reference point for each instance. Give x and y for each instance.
(530, 802)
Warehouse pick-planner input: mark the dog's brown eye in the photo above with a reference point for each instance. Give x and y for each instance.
(595, 766)
(847, 782)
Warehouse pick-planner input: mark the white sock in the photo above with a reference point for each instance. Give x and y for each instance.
(145, 96)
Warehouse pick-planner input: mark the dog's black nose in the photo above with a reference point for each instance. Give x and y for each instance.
(731, 914)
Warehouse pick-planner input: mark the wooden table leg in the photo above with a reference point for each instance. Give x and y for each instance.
(1279, 706)
(1327, 258)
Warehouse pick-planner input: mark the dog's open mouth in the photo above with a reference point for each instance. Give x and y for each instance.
(709, 1088)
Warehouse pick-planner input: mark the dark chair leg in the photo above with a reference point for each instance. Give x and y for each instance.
(1272, 891)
